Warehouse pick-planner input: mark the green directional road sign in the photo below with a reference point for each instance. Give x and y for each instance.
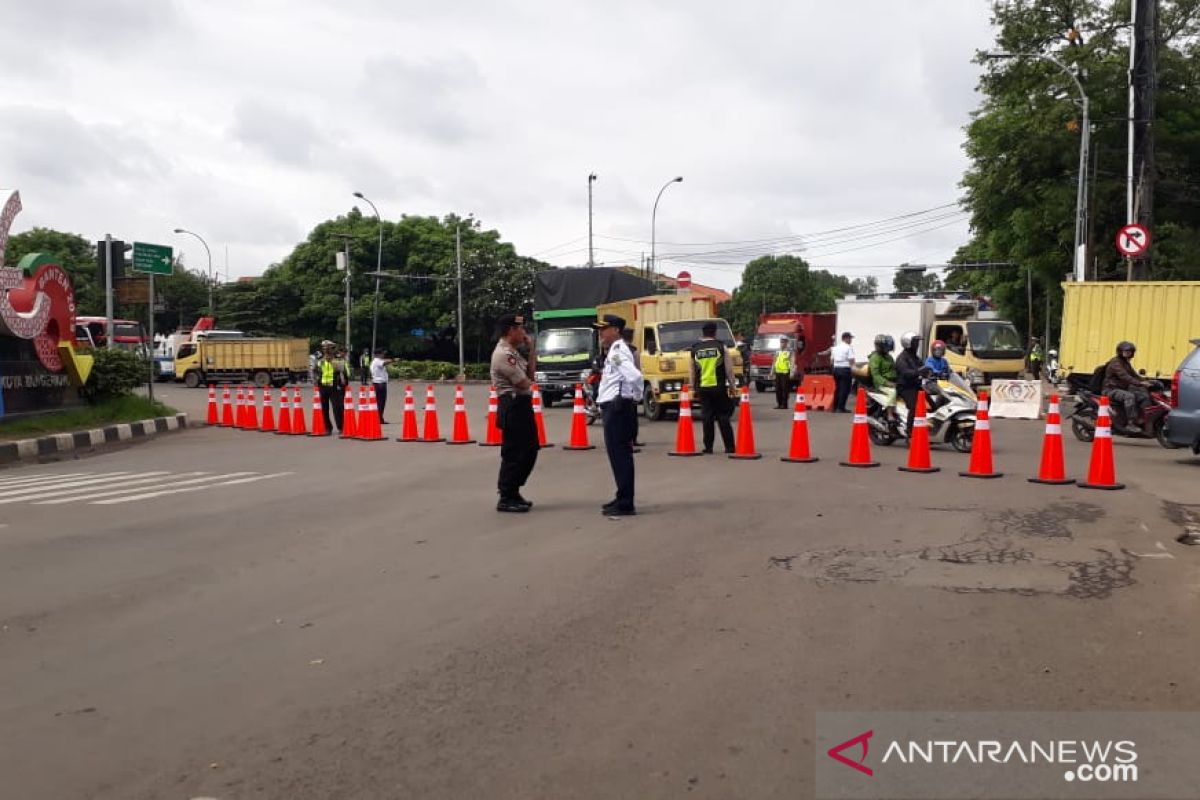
(156, 259)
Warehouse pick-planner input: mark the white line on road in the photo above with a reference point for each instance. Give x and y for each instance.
(19, 496)
(89, 492)
(150, 495)
(13, 482)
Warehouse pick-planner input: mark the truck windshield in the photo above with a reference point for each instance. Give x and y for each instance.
(126, 331)
(676, 337)
(994, 340)
(565, 342)
(768, 342)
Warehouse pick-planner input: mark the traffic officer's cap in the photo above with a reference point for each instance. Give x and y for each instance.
(610, 321)
(510, 321)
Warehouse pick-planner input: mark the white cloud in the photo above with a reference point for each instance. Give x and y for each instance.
(250, 121)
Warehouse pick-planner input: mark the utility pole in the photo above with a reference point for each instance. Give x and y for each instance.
(462, 368)
(108, 291)
(344, 263)
(591, 252)
(1143, 81)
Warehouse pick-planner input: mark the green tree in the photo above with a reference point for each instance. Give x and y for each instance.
(1023, 143)
(915, 279)
(782, 283)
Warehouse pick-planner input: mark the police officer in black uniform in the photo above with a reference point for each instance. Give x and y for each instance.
(512, 375)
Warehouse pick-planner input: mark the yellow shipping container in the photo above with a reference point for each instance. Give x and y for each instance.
(1160, 317)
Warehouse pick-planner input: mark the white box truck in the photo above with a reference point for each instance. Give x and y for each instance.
(978, 344)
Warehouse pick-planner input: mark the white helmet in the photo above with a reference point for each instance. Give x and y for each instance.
(909, 339)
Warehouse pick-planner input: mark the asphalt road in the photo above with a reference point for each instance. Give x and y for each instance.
(303, 618)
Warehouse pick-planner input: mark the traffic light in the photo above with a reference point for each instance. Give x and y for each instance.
(119, 263)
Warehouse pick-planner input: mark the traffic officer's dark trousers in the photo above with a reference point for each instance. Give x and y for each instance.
(519, 448)
(715, 409)
(330, 396)
(620, 416)
(783, 387)
(842, 380)
(380, 398)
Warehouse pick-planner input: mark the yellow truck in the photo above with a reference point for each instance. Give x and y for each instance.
(664, 329)
(1160, 317)
(261, 361)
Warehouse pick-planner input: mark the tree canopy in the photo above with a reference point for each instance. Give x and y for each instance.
(1023, 143)
(783, 283)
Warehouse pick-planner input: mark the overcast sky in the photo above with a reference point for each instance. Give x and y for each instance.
(250, 121)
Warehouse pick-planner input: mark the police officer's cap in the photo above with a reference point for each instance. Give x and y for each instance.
(510, 321)
(610, 321)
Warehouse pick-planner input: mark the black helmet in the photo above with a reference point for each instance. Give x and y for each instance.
(885, 343)
(1130, 346)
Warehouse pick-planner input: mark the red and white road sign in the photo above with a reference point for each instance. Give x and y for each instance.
(1133, 240)
(684, 280)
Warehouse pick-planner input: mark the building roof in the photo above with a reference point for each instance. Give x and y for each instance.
(665, 281)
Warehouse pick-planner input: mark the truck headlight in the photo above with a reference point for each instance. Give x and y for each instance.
(585, 375)
(540, 377)
(975, 376)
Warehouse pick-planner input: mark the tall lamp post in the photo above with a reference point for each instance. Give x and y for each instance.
(1079, 262)
(345, 259)
(378, 270)
(654, 224)
(462, 367)
(211, 309)
(591, 252)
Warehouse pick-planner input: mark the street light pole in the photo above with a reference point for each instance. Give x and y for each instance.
(462, 369)
(346, 237)
(1079, 261)
(654, 225)
(211, 308)
(591, 252)
(378, 270)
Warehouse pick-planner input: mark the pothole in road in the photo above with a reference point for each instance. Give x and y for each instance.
(1027, 553)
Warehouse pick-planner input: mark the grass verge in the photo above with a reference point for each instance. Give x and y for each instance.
(130, 408)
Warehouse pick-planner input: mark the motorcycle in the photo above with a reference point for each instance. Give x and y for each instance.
(590, 408)
(1152, 420)
(950, 415)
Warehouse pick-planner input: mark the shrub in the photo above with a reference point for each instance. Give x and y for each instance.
(115, 373)
(434, 370)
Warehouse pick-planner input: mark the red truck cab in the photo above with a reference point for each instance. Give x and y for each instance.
(815, 332)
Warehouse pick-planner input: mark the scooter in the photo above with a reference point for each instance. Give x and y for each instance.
(1153, 419)
(950, 416)
(590, 407)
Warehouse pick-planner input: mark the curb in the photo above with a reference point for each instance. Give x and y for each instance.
(56, 444)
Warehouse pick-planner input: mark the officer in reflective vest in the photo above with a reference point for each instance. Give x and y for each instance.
(332, 376)
(713, 378)
(783, 373)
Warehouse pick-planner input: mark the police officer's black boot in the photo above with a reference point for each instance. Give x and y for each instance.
(513, 505)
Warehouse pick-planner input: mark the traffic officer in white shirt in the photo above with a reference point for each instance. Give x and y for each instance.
(620, 388)
(842, 356)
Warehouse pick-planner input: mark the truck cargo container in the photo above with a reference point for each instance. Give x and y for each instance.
(264, 362)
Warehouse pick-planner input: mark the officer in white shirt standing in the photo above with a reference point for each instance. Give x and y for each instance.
(842, 356)
(620, 389)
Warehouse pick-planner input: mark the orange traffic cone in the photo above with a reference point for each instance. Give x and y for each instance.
(251, 409)
(860, 436)
(226, 410)
(298, 428)
(431, 418)
(685, 434)
(981, 444)
(1102, 469)
(800, 453)
(1053, 469)
(239, 409)
(268, 415)
(579, 435)
(745, 431)
(539, 418)
(369, 427)
(318, 419)
(460, 433)
(212, 418)
(918, 441)
(494, 437)
(349, 423)
(408, 430)
(285, 413)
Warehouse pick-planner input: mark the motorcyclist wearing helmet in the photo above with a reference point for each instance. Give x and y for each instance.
(883, 371)
(908, 370)
(1123, 385)
(937, 364)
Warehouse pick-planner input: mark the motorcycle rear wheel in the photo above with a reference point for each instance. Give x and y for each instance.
(961, 437)
(1083, 432)
(880, 438)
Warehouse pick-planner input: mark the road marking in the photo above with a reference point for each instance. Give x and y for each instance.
(88, 492)
(19, 496)
(164, 492)
(14, 482)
